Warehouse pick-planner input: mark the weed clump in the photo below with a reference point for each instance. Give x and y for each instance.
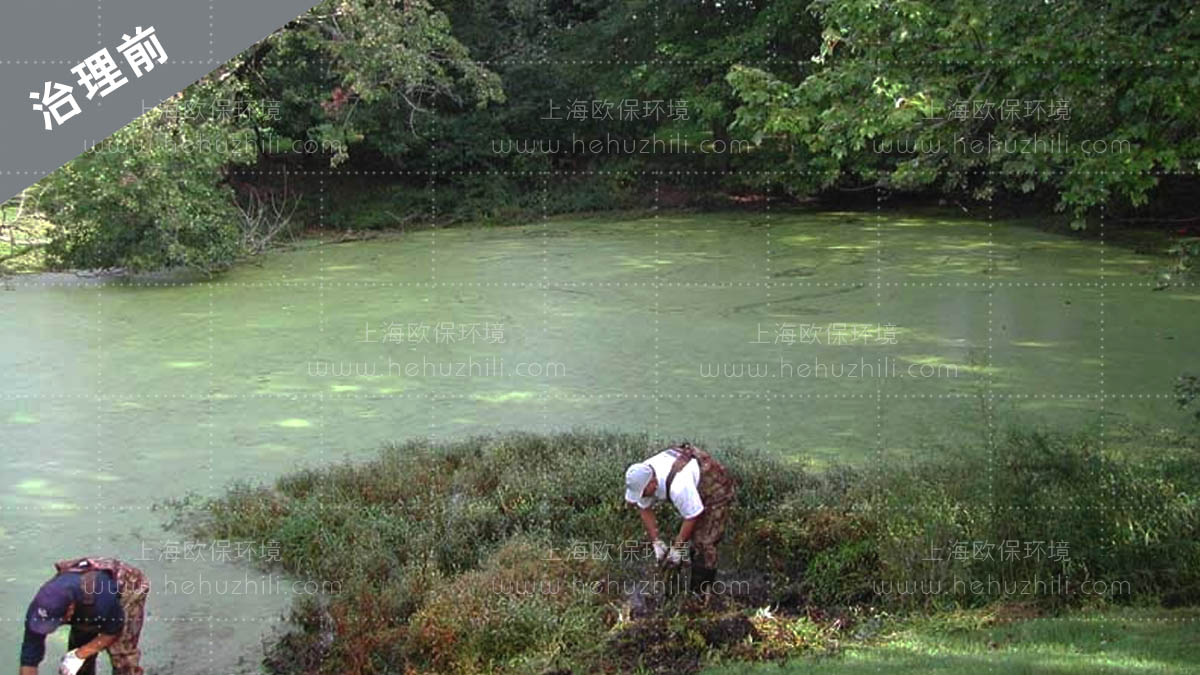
(508, 553)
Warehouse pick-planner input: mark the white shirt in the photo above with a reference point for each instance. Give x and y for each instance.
(685, 494)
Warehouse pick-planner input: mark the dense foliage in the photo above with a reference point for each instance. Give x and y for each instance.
(487, 110)
(463, 557)
(143, 200)
(950, 97)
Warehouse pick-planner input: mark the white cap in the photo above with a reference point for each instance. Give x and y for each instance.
(637, 477)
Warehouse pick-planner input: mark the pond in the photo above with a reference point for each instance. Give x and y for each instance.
(851, 337)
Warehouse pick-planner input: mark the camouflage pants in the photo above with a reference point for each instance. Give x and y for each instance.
(710, 528)
(124, 654)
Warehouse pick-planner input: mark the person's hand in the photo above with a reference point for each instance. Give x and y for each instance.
(71, 663)
(660, 550)
(675, 556)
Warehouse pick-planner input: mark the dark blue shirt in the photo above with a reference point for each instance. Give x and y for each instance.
(103, 616)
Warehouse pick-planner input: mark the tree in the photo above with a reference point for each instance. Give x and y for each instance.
(884, 105)
(19, 229)
(158, 193)
(362, 72)
(152, 195)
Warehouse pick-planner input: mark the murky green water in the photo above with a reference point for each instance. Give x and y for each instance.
(753, 327)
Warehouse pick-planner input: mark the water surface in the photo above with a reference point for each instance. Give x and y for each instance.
(121, 393)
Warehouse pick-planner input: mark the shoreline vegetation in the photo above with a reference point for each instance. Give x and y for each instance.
(500, 112)
(514, 554)
(1169, 248)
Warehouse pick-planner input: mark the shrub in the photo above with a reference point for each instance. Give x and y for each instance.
(523, 604)
(421, 538)
(844, 574)
(143, 199)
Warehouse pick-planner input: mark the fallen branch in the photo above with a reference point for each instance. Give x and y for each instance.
(265, 214)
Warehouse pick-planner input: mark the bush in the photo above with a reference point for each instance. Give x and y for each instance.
(523, 604)
(844, 574)
(1117, 519)
(143, 199)
(421, 538)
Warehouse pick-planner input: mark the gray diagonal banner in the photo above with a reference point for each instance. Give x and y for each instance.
(48, 45)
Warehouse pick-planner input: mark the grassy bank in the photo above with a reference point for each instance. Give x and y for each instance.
(503, 554)
(1118, 641)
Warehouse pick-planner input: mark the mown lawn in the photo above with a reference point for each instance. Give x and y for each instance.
(1115, 641)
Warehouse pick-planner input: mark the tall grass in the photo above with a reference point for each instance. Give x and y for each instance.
(451, 557)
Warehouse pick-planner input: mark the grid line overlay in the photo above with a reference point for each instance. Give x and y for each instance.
(989, 403)
(433, 210)
(991, 286)
(627, 172)
(768, 275)
(577, 396)
(211, 423)
(668, 63)
(546, 388)
(1103, 413)
(880, 446)
(657, 433)
(370, 283)
(323, 399)
(100, 436)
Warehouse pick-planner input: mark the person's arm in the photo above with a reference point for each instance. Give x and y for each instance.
(112, 620)
(685, 532)
(691, 507)
(33, 650)
(97, 645)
